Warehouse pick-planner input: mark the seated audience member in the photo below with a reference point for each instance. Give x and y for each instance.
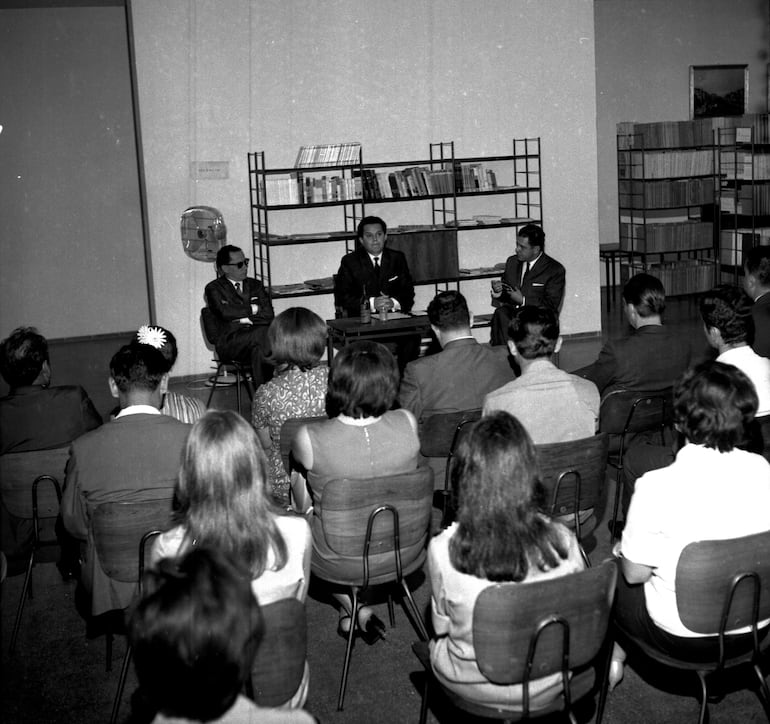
(756, 282)
(243, 309)
(194, 635)
(182, 407)
(553, 405)
(726, 314)
(134, 457)
(36, 416)
(222, 502)
(652, 356)
(531, 277)
(457, 377)
(500, 535)
(297, 340)
(713, 490)
(363, 439)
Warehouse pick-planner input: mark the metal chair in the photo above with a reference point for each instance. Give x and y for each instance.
(368, 519)
(29, 482)
(127, 656)
(212, 331)
(440, 434)
(116, 530)
(279, 665)
(624, 414)
(527, 631)
(721, 586)
(573, 475)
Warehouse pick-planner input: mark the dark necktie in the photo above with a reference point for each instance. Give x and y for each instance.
(524, 272)
(238, 288)
(377, 273)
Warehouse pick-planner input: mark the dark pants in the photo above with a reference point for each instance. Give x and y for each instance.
(247, 345)
(499, 325)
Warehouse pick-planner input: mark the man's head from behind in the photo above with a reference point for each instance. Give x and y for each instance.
(756, 265)
(726, 314)
(138, 375)
(194, 635)
(232, 263)
(645, 298)
(24, 358)
(533, 333)
(449, 316)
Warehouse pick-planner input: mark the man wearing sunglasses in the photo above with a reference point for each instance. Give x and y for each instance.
(244, 311)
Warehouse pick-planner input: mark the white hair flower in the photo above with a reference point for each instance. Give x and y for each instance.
(153, 336)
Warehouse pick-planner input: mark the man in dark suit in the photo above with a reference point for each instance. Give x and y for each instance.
(36, 416)
(531, 277)
(381, 277)
(756, 282)
(134, 457)
(244, 311)
(653, 356)
(462, 373)
(373, 272)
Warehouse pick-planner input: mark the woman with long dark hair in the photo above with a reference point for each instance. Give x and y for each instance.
(501, 535)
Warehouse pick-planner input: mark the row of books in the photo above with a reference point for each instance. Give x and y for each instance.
(699, 132)
(688, 276)
(665, 164)
(734, 243)
(746, 200)
(302, 189)
(407, 183)
(665, 194)
(330, 154)
(744, 165)
(662, 238)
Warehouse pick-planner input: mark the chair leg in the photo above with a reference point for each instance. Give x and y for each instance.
(605, 684)
(763, 694)
(704, 699)
(616, 504)
(214, 384)
(414, 612)
(26, 588)
(348, 650)
(424, 702)
(391, 611)
(121, 684)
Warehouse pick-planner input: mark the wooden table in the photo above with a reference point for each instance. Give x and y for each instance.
(350, 329)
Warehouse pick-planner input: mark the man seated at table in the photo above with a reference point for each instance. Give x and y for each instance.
(36, 416)
(134, 457)
(244, 311)
(379, 276)
(531, 277)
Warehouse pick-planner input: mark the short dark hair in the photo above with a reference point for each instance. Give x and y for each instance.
(714, 404)
(727, 308)
(297, 338)
(534, 331)
(370, 220)
(646, 293)
(533, 234)
(363, 381)
(757, 263)
(194, 635)
(449, 310)
(138, 367)
(223, 255)
(22, 354)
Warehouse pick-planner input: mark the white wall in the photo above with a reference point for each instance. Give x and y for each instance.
(217, 79)
(644, 51)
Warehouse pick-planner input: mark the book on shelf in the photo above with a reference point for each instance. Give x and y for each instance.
(330, 154)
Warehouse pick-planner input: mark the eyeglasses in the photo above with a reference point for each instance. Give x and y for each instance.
(239, 264)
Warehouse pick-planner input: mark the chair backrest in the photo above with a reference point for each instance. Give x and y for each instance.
(288, 431)
(508, 616)
(117, 530)
(628, 411)
(279, 665)
(211, 326)
(19, 470)
(573, 473)
(347, 504)
(705, 575)
(438, 431)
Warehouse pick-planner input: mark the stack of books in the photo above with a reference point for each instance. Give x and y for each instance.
(330, 154)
